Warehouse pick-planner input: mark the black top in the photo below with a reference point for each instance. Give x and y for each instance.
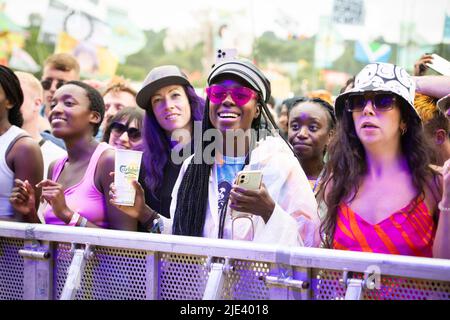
(160, 201)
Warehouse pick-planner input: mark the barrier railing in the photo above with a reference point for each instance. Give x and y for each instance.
(51, 262)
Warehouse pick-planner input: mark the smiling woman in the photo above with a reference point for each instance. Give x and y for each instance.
(205, 201)
(171, 107)
(77, 111)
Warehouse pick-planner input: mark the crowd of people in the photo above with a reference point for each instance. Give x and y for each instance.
(367, 170)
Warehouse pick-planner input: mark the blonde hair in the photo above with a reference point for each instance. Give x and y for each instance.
(321, 94)
(63, 62)
(32, 82)
(426, 106)
(119, 84)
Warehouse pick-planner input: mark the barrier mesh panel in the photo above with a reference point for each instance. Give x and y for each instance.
(246, 282)
(326, 286)
(182, 277)
(112, 274)
(11, 269)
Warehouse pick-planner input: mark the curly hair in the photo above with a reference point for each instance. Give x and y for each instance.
(347, 165)
(13, 93)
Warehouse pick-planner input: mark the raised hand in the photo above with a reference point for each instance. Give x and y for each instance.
(420, 67)
(53, 193)
(140, 210)
(23, 197)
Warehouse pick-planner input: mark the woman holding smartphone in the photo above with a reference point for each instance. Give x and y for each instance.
(283, 210)
(382, 195)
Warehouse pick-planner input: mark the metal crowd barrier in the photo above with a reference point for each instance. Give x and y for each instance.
(50, 262)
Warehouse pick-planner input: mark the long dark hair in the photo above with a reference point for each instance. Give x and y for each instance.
(190, 213)
(347, 165)
(13, 92)
(157, 145)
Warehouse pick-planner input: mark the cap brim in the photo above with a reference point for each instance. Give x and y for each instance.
(144, 95)
(237, 73)
(339, 104)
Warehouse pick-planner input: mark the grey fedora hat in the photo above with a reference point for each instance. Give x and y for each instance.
(381, 77)
(158, 78)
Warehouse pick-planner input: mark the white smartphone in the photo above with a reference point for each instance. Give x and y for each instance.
(226, 54)
(249, 180)
(440, 65)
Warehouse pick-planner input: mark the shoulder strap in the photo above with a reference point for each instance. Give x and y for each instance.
(13, 142)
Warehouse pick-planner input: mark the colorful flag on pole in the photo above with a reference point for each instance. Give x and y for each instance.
(372, 52)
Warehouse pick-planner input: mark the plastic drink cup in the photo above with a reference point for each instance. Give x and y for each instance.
(127, 166)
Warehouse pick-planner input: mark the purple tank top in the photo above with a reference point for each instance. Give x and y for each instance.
(84, 197)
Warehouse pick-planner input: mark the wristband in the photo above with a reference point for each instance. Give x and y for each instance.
(83, 222)
(74, 219)
(158, 226)
(148, 223)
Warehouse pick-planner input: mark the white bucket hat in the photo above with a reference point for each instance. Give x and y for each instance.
(444, 103)
(381, 77)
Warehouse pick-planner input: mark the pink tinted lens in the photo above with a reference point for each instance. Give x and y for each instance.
(216, 94)
(240, 95)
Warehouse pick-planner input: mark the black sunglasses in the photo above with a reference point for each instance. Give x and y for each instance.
(118, 128)
(47, 83)
(380, 101)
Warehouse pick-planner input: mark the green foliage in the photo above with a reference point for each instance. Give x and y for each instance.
(270, 48)
(39, 51)
(153, 54)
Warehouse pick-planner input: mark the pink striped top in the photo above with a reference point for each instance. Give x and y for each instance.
(84, 197)
(409, 231)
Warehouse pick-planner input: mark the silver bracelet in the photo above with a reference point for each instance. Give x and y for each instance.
(83, 222)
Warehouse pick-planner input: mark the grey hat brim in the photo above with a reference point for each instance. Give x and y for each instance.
(340, 100)
(144, 95)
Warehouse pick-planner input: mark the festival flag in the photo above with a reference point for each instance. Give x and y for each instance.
(372, 52)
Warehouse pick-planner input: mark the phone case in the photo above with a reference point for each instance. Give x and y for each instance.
(250, 180)
(440, 65)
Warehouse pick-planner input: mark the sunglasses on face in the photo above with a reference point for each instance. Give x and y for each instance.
(240, 95)
(380, 101)
(118, 129)
(47, 83)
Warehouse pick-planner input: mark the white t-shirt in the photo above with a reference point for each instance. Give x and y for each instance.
(50, 153)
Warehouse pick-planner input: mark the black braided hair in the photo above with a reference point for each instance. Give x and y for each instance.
(324, 104)
(13, 92)
(193, 193)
